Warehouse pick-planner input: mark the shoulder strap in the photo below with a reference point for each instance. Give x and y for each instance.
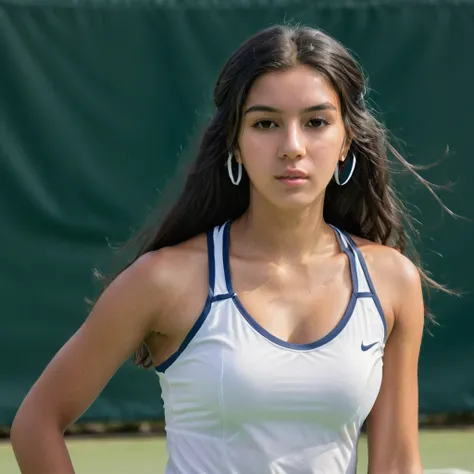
(365, 282)
(366, 287)
(346, 248)
(217, 255)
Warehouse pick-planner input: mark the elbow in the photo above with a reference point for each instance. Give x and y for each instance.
(38, 443)
(30, 424)
(19, 427)
(22, 428)
(20, 433)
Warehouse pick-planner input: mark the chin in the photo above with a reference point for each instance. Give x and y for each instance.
(296, 203)
(295, 200)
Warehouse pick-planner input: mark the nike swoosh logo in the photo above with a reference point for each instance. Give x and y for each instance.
(367, 347)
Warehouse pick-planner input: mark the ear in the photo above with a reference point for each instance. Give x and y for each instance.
(237, 156)
(346, 147)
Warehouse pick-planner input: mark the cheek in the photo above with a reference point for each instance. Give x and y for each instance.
(327, 149)
(330, 140)
(257, 153)
(253, 144)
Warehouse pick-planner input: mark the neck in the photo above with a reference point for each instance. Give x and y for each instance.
(291, 236)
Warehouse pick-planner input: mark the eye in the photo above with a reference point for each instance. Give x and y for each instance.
(318, 122)
(264, 124)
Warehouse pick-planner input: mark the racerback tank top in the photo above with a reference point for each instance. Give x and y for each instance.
(238, 400)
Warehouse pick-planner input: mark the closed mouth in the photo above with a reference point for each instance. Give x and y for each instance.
(292, 177)
(293, 174)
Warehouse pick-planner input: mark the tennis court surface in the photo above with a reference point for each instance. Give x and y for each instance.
(443, 452)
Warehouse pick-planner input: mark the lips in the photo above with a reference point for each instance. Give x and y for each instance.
(293, 173)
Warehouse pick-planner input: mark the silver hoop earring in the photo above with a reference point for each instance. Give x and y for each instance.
(343, 172)
(234, 181)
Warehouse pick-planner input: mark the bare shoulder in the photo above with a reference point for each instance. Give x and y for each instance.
(177, 277)
(171, 267)
(396, 279)
(389, 261)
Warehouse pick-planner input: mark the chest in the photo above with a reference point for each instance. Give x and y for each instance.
(298, 304)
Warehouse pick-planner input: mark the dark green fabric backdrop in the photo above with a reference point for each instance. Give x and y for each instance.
(99, 99)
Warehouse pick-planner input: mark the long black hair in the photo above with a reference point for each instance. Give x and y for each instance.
(367, 206)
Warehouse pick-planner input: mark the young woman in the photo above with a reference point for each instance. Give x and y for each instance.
(274, 300)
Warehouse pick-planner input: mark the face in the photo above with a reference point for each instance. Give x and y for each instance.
(292, 137)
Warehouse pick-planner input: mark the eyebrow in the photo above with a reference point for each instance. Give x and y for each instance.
(313, 108)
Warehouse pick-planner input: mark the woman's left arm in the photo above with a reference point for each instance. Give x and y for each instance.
(393, 422)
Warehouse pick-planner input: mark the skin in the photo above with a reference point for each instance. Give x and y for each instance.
(286, 267)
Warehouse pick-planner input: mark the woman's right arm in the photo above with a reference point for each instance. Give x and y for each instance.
(121, 319)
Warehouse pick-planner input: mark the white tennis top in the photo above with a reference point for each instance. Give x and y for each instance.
(238, 400)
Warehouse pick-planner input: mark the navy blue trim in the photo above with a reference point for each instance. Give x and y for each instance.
(350, 255)
(365, 294)
(225, 296)
(311, 345)
(211, 262)
(226, 257)
(196, 326)
(369, 282)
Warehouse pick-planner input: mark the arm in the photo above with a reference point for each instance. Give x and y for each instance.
(393, 422)
(121, 319)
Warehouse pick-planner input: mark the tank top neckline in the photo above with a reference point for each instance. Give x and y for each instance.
(347, 249)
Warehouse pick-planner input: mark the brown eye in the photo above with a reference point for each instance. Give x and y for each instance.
(264, 124)
(318, 122)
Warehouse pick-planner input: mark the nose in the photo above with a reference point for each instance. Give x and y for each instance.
(293, 144)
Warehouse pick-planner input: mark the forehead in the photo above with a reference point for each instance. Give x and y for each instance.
(292, 89)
